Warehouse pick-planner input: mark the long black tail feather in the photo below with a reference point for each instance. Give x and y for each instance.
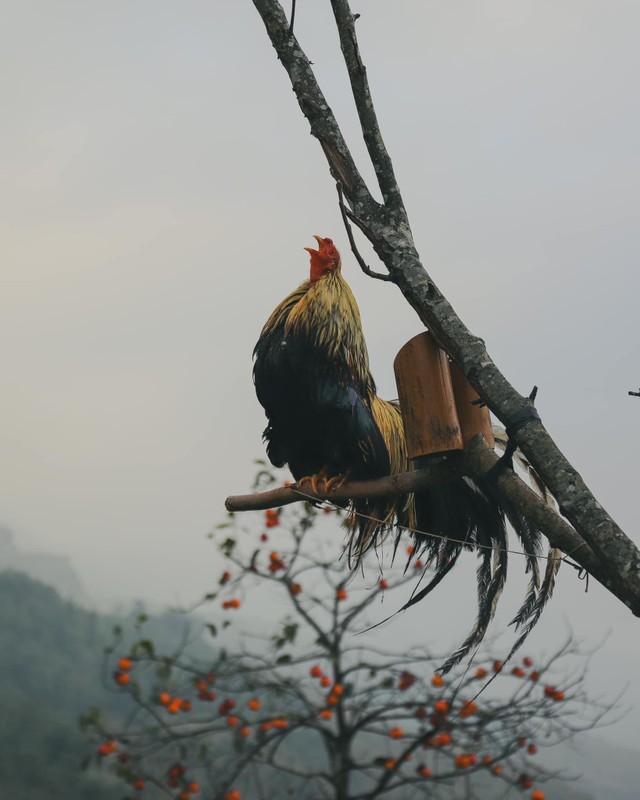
(487, 601)
(554, 560)
(470, 515)
(463, 514)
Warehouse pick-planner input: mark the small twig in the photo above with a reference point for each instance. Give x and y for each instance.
(345, 218)
(635, 394)
(293, 16)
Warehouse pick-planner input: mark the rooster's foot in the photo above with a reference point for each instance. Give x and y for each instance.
(314, 480)
(337, 482)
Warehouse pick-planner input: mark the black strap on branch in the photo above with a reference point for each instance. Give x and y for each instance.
(520, 419)
(516, 422)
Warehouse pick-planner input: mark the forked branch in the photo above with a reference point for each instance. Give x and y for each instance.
(387, 228)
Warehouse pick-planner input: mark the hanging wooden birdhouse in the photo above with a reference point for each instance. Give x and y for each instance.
(436, 401)
(474, 418)
(425, 391)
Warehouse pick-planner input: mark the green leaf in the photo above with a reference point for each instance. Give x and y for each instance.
(212, 630)
(283, 659)
(289, 631)
(147, 646)
(227, 546)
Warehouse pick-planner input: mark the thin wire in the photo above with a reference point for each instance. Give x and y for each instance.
(424, 533)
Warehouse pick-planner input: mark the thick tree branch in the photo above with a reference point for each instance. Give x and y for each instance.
(387, 228)
(476, 461)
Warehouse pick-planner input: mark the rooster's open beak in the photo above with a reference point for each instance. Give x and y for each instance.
(319, 240)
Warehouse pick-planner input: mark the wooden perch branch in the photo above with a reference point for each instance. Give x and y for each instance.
(387, 228)
(402, 483)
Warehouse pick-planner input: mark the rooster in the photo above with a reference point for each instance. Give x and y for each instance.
(326, 422)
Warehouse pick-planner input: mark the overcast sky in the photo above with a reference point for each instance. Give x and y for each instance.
(158, 184)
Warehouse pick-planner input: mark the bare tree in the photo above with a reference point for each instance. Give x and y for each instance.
(301, 704)
(596, 542)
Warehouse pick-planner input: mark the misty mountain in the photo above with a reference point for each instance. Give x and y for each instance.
(49, 568)
(50, 654)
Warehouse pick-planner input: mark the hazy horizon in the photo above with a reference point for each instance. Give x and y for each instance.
(159, 184)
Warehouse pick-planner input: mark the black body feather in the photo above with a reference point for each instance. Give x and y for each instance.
(320, 421)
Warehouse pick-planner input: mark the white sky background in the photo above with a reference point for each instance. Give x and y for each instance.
(158, 186)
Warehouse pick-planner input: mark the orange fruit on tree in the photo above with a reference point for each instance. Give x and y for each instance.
(441, 707)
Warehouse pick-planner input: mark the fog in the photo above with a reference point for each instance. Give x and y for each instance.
(158, 186)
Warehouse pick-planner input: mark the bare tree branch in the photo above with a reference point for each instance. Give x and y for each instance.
(354, 248)
(387, 228)
(371, 133)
